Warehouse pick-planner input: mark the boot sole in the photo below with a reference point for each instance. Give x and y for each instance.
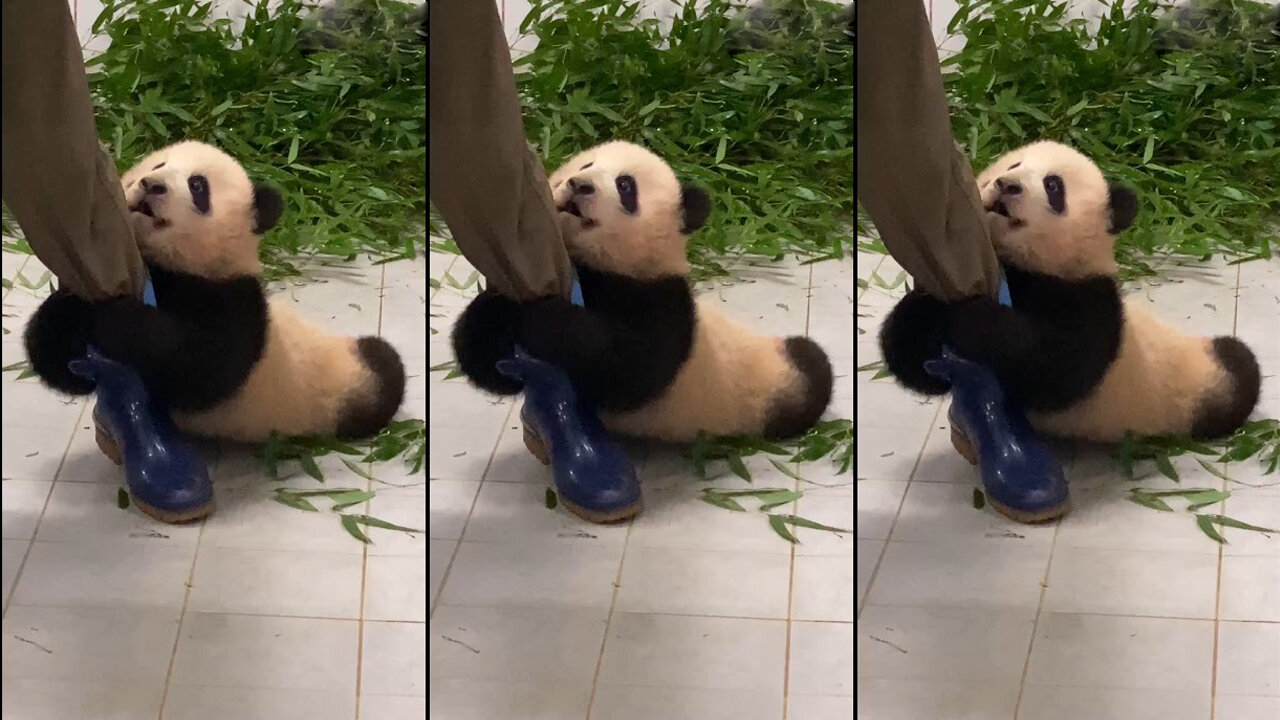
(538, 449)
(963, 446)
(112, 451)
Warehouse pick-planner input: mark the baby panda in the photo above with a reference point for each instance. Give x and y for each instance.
(1079, 360)
(653, 362)
(213, 351)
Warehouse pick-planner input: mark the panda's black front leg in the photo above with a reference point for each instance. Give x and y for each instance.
(556, 330)
(985, 331)
(141, 336)
(577, 340)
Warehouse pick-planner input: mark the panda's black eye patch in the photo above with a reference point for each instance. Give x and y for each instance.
(1011, 167)
(1056, 192)
(199, 187)
(627, 193)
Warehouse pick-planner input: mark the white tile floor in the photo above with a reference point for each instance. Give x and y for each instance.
(261, 611)
(690, 611)
(1116, 612)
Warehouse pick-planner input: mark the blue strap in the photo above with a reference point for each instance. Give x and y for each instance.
(576, 295)
(1005, 299)
(149, 293)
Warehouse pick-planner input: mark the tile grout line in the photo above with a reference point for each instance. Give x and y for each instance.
(871, 581)
(444, 579)
(613, 604)
(182, 615)
(1217, 595)
(1035, 623)
(795, 509)
(368, 485)
(47, 498)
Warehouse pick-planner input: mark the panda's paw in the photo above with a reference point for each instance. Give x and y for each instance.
(912, 334)
(57, 334)
(484, 334)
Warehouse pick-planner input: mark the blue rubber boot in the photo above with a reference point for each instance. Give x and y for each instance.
(167, 478)
(1022, 478)
(593, 475)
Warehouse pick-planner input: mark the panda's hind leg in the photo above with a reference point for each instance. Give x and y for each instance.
(795, 413)
(373, 406)
(1225, 409)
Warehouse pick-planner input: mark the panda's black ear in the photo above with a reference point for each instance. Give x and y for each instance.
(1123, 204)
(268, 206)
(695, 205)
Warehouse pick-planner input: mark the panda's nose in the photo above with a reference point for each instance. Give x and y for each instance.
(1009, 187)
(153, 187)
(581, 187)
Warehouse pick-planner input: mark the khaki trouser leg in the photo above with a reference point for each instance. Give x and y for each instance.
(485, 180)
(61, 186)
(912, 178)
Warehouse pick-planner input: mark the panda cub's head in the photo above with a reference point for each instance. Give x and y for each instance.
(194, 209)
(1050, 210)
(622, 210)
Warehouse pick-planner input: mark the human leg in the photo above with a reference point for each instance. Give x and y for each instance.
(919, 190)
(492, 191)
(65, 193)
(488, 184)
(59, 183)
(912, 179)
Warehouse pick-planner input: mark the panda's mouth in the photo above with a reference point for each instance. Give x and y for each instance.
(999, 208)
(571, 207)
(143, 207)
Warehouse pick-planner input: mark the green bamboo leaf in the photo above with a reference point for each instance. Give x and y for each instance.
(738, 467)
(806, 523)
(328, 492)
(780, 497)
(375, 522)
(780, 526)
(723, 502)
(1154, 503)
(1211, 468)
(295, 502)
(1206, 526)
(310, 467)
(358, 470)
(352, 526)
(1238, 524)
(786, 470)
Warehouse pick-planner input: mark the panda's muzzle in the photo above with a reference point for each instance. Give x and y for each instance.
(571, 207)
(1000, 207)
(143, 207)
(150, 189)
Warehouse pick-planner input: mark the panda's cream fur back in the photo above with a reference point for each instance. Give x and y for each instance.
(731, 384)
(304, 384)
(1160, 381)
